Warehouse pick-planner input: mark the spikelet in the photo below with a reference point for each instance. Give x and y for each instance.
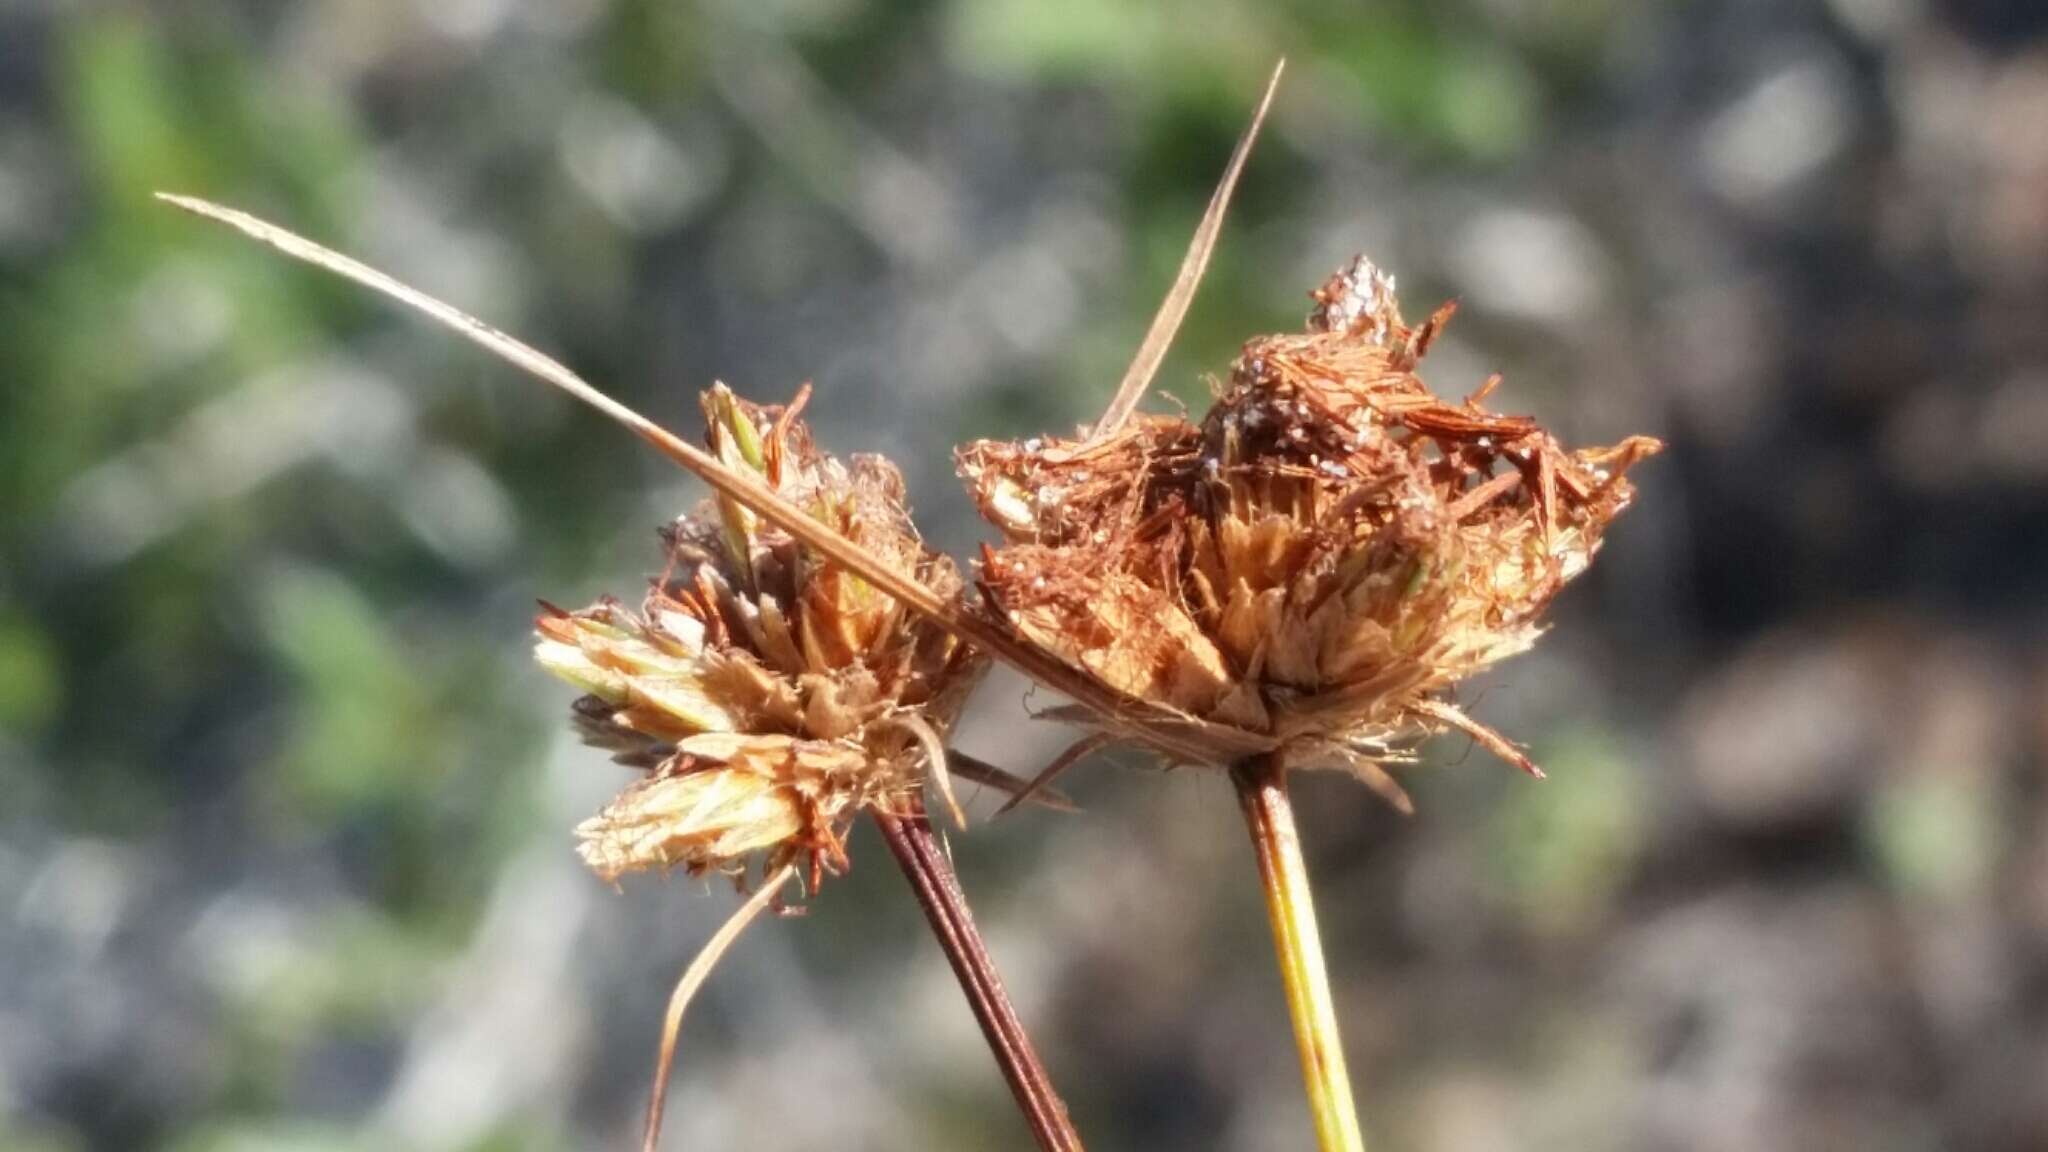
(770, 696)
(1312, 567)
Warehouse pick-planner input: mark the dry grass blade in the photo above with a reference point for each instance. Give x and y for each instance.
(1174, 309)
(693, 978)
(1040, 666)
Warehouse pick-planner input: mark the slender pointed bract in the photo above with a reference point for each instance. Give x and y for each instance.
(1076, 752)
(1137, 717)
(1174, 309)
(693, 978)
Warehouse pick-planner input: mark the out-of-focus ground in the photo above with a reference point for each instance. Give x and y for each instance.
(284, 810)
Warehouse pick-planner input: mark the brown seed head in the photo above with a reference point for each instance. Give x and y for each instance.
(770, 695)
(1320, 559)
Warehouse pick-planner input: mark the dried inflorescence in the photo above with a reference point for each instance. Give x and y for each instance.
(1313, 566)
(769, 695)
(797, 662)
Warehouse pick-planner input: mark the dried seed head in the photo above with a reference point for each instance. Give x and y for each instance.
(1320, 559)
(769, 694)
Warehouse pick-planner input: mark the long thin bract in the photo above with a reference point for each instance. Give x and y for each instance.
(1074, 754)
(1174, 309)
(975, 770)
(1120, 712)
(693, 979)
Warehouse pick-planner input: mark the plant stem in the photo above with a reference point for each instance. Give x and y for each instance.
(1269, 815)
(938, 892)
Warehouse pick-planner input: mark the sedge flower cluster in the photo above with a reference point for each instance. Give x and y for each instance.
(769, 695)
(1316, 563)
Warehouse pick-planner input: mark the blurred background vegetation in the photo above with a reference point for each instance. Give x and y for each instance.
(284, 809)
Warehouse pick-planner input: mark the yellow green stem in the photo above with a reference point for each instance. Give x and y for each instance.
(1269, 815)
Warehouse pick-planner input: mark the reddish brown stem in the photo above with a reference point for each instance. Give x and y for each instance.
(937, 890)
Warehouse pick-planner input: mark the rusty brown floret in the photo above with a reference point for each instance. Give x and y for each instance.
(769, 696)
(1316, 564)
